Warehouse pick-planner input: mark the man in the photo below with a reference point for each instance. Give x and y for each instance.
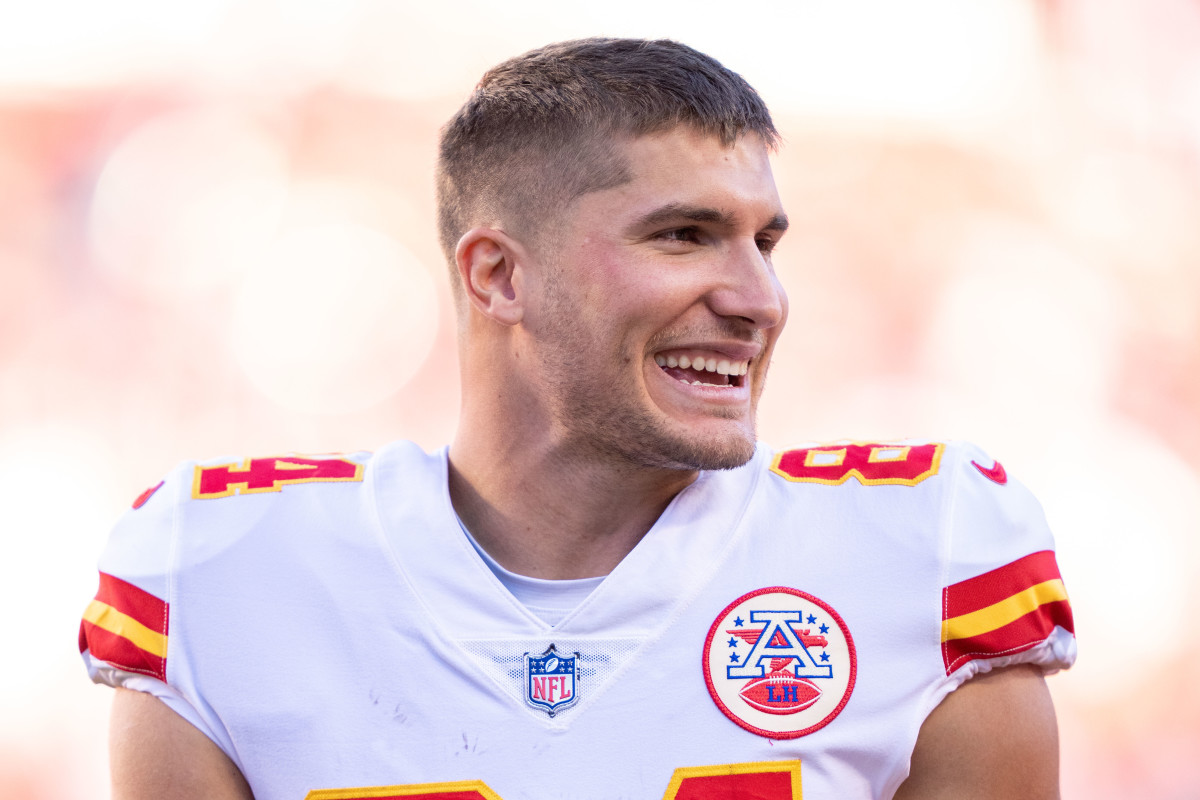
(604, 587)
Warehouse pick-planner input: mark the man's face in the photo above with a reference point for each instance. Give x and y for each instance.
(658, 307)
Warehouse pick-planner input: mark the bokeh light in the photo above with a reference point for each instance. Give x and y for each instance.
(217, 237)
(187, 202)
(334, 319)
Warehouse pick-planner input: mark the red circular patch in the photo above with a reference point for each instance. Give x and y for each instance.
(779, 662)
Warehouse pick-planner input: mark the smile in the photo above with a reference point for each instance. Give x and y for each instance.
(701, 370)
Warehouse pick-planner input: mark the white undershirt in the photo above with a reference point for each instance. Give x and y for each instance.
(548, 600)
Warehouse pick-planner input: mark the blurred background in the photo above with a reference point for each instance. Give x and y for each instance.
(217, 237)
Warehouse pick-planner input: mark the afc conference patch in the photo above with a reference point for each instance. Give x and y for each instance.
(779, 662)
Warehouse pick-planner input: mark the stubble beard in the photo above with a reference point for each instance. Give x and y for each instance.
(606, 422)
(603, 422)
(632, 437)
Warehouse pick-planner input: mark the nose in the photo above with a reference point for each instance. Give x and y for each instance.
(749, 289)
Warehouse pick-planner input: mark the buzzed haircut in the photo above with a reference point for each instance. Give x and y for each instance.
(544, 128)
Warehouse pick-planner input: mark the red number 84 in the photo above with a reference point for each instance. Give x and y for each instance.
(764, 780)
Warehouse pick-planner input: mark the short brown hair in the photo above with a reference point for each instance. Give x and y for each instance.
(542, 129)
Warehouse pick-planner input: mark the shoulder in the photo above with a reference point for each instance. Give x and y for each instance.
(216, 537)
(951, 466)
(1002, 598)
(200, 507)
(994, 518)
(221, 499)
(203, 510)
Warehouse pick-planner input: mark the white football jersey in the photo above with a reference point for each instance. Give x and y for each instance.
(781, 632)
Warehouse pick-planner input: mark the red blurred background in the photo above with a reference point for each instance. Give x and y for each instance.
(217, 237)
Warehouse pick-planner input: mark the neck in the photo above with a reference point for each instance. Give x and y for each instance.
(545, 512)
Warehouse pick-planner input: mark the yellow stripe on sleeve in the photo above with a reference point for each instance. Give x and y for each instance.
(1010, 609)
(110, 619)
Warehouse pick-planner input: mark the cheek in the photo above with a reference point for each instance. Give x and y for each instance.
(619, 299)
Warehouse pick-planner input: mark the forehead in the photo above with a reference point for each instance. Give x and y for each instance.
(683, 166)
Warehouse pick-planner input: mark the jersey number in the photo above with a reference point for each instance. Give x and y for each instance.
(761, 780)
(270, 475)
(870, 464)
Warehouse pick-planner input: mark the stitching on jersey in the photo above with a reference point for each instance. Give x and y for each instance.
(172, 560)
(128, 668)
(951, 501)
(945, 612)
(983, 654)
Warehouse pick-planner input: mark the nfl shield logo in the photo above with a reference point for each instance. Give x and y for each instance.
(550, 681)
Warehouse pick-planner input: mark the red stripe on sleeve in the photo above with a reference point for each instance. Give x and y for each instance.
(1016, 637)
(134, 602)
(120, 652)
(999, 584)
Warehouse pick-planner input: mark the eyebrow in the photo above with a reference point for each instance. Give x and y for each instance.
(676, 211)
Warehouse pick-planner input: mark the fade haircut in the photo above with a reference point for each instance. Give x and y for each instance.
(544, 128)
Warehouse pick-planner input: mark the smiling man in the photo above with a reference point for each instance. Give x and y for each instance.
(605, 587)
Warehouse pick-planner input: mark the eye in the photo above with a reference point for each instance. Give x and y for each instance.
(689, 234)
(766, 244)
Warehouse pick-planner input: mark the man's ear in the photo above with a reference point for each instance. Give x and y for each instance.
(489, 264)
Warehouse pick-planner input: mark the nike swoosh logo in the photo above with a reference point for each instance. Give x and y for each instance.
(996, 474)
(144, 496)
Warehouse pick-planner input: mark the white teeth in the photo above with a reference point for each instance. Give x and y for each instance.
(700, 363)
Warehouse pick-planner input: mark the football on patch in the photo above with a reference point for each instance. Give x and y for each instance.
(780, 693)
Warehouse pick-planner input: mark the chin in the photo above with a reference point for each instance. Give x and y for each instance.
(708, 459)
(657, 449)
(641, 435)
(713, 455)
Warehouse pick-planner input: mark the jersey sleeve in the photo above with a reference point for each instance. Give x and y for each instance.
(1003, 599)
(125, 634)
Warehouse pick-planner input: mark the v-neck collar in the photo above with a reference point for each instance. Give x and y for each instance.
(647, 589)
